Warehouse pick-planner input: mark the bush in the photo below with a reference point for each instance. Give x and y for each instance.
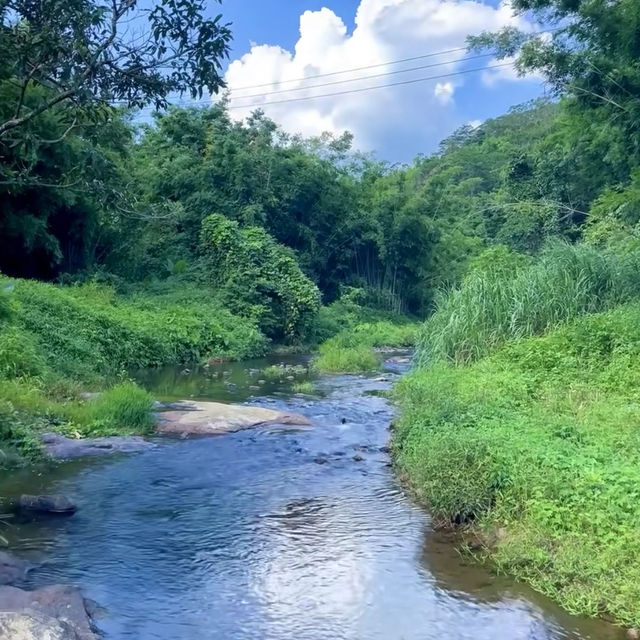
(259, 278)
(125, 408)
(88, 332)
(494, 305)
(539, 442)
(20, 354)
(58, 341)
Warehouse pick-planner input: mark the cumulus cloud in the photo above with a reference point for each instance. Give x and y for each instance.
(281, 82)
(444, 92)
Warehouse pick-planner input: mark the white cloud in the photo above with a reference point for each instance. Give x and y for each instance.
(385, 30)
(444, 92)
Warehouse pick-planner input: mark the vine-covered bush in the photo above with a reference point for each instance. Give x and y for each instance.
(258, 278)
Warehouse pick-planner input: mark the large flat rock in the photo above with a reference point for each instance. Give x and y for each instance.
(62, 448)
(55, 612)
(214, 418)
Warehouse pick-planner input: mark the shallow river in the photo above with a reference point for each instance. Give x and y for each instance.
(271, 534)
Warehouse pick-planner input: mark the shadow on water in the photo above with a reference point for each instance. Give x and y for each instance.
(270, 534)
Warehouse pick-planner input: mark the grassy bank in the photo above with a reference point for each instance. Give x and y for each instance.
(535, 446)
(510, 297)
(352, 350)
(57, 342)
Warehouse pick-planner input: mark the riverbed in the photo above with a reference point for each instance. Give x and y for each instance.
(275, 534)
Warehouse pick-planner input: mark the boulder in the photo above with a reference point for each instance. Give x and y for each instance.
(57, 610)
(214, 418)
(62, 448)
(29, 625)
(46, 504)
(12, 570)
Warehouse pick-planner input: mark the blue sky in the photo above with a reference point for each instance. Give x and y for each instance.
(272, 44)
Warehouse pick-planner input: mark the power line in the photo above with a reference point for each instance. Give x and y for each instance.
(340, 93)
(376, 75)
(371, 66)
(377, 65)
(379, 86)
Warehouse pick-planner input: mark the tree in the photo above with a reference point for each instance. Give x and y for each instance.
(78, 57)
(592, 56)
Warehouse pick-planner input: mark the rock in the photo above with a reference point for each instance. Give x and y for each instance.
(12, 570)
(358, 458)
(46, 504)
(381, 379)
(62, 448)
(385, 449)
(633, 634)
(33, 626)
(214, 418)
(51, 613)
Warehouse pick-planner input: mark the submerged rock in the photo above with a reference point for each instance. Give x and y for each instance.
(214, 418)
(12, 570)
(51, 613)
(46, 504)
(62, 448)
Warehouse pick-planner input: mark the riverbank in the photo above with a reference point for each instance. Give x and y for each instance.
(59, 342)
(67, 353)
(535, 449)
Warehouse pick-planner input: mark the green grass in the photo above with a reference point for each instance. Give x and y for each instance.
(351, 350)
(502, 302)
(304, 387)
(57, 341)
(539, 442)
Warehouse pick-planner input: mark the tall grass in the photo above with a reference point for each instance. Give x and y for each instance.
(494, 305)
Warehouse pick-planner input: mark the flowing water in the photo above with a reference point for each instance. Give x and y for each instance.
(271, 534)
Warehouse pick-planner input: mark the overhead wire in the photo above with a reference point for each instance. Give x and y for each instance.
(375, 75)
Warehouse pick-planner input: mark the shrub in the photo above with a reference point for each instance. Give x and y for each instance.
(20, 354)
(259, 278)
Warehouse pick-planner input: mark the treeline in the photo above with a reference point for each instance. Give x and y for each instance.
(259, 218)
(129, 204)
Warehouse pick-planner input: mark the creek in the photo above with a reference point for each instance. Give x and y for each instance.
(274, 534)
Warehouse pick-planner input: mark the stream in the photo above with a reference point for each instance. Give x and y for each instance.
(273, 534)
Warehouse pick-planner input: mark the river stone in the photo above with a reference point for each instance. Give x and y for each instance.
(29, 625)
(46, 504)
(12, 569)
(58, 611)
(62, 448)
(213, 418)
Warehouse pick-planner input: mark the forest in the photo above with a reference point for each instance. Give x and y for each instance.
(510, 257)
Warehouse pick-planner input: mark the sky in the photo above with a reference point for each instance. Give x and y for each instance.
(291, 41)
